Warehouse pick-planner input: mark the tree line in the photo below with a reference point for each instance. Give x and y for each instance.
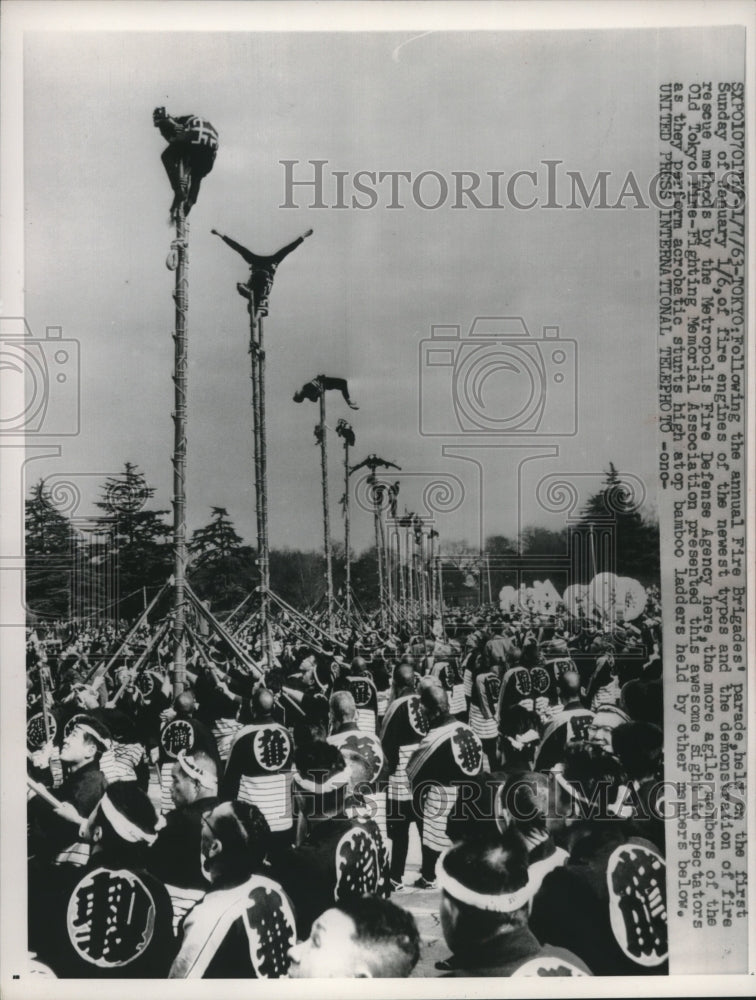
(70, 569)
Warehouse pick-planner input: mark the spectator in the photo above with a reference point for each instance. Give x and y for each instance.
(244, 926)
(484, 914)
(366, 938)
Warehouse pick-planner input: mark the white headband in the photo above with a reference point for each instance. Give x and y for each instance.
(98, 737)
(125, 829)
(190, 767)
(502, 902)
(518, 742)
(337, 780)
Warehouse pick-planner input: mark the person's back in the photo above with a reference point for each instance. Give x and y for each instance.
(449, 753)
(259, 768)
(403, 728)
(182, 732)
(111, 919)
(175, 856)
(607, 903)
(337, 856)
(484, 914)
(365, 758)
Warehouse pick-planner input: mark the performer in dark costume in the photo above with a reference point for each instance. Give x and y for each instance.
(345, 430)
(404, 726)
(193, 142)
(313, 390)
(372, 462)
(363, 753)
(450, 752)
(262, 270)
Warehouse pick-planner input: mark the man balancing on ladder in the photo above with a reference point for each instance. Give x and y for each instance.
(262, 270)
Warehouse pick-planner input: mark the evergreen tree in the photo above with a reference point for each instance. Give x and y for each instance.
(223, 569)
(636, 539)
(50, 545)
(139, 536)
(544, 542)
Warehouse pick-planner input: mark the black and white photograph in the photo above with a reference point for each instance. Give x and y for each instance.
(376, 479)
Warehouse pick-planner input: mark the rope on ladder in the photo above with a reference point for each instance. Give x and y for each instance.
(171, 261)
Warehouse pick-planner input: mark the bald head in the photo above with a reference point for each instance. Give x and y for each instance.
(185, 703)
(343, 708)
(404, 678)
(569, 684)
(359, 665)
(433, 697)
(262, 703)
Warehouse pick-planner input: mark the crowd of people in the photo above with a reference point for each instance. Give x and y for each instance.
(258, 824)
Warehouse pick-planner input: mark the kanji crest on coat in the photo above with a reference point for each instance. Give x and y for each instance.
(562, 665)
(110, 918)
(35, 731)
(271, 929)
(467, 750)
(516, 686)
(145, 682)
(416, 715)
(491, 686)
(368, 749)
(361, 690)
(636, 880)
(359, 863)
(540, 681)
(271, 748)
(568, 727)
(548, 965)
(177, 735)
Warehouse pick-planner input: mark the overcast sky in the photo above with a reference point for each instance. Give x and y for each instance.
(356, 299)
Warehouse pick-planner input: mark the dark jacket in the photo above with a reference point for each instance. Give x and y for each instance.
(342, 858)
(606, 904)
(174, 858)
(513, 954)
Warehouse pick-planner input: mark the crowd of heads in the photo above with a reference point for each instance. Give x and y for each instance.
(540, 737)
